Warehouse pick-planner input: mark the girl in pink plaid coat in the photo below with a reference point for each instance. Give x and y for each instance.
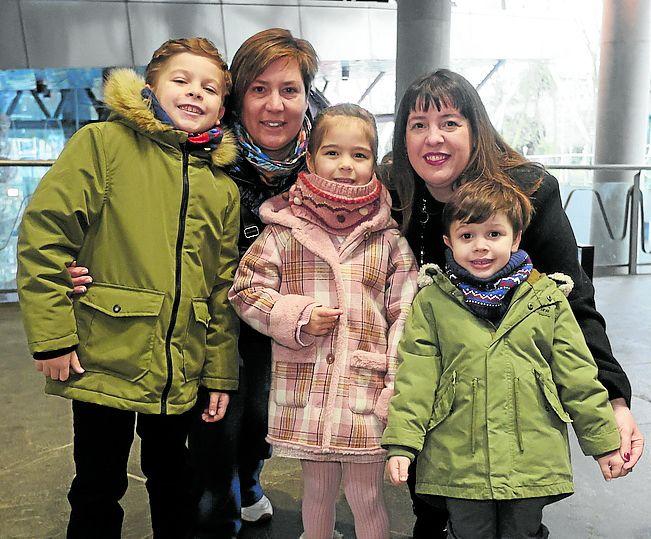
(331, 280)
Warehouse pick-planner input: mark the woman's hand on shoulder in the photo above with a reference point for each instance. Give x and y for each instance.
(80, 278)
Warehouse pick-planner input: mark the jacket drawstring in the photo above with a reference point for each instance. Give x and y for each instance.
(516, 405)
(473, 418)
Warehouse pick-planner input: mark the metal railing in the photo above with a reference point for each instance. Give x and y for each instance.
(633, 202)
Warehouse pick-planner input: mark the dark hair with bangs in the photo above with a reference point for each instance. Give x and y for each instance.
(477, 201)
(345, 110)
(490, 156)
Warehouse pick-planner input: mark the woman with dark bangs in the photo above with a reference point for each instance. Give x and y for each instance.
(443, 138)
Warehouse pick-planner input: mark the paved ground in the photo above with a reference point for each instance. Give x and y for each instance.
(36, 464)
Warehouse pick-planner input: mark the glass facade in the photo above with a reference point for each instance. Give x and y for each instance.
(39, 111)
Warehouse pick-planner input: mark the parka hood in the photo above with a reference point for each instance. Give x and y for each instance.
(122, 93)
(430, 273)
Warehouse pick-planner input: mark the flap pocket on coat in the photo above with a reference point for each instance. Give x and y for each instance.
(117, 328)
(368, 360)
(200, 308)
(551, 396)
(367, 371)
(443, 402)
(118, 301)
(291, 383)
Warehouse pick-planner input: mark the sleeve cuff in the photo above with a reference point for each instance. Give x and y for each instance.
(401, 451)
(50, 354)
(302, 338)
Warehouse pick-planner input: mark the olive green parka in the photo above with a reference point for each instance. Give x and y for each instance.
(157, 225)
(487, 407)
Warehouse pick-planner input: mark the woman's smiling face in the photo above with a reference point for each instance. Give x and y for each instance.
(274, 106)
(438, 146)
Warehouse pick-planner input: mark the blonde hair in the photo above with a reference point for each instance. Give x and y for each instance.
(261, 50)
(346, 110)
(199, 46)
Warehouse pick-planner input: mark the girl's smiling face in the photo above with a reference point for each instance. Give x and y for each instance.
(438, 146)
(345, 153)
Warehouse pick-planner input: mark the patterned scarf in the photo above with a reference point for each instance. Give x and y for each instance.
(489, 297)
(271, 170)
(208, 140)
(334, 206)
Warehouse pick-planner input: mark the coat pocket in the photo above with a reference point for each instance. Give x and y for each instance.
(291, 382)
(366, 380)
(443, 401)
(117, 326)
(551, 396)
(194, 347)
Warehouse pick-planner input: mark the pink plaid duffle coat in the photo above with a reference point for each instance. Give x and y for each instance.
(329, 394)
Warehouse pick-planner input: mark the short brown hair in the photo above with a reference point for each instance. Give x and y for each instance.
(477, 201)
(261, 50)
(194, 45)
(346, 110)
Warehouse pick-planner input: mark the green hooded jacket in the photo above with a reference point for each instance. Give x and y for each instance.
(158, 228)
(487, 407)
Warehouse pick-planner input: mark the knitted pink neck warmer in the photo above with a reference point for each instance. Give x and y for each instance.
(336, 207)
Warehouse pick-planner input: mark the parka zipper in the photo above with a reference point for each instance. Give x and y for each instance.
(177, 278)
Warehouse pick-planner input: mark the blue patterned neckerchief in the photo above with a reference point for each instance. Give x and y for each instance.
(268, 167)
(208, 140)
(489, 297)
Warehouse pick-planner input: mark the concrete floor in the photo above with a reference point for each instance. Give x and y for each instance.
(36, 465)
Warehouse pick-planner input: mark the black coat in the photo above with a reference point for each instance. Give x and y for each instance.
(551, 244)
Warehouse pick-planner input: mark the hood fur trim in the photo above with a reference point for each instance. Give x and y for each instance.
(122, 95)
(564, 282)
(425, 274)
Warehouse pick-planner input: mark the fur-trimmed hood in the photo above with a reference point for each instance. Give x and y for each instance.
(428, 272)
(122, 93)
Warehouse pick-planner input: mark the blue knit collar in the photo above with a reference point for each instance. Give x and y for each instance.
(489, 297)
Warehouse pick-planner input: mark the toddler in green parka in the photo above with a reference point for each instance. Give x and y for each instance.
(493, 367)
(143, 200)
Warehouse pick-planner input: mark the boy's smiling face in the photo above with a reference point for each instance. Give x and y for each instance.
(190, 90)
(483, 248)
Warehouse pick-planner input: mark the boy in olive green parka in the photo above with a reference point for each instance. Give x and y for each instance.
(493, 366)
(143, 201)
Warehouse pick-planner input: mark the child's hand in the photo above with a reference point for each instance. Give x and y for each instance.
(58, 368)
(80, 278)
(322, 320)
(398, 469)
(611, 464)
(216, 408)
